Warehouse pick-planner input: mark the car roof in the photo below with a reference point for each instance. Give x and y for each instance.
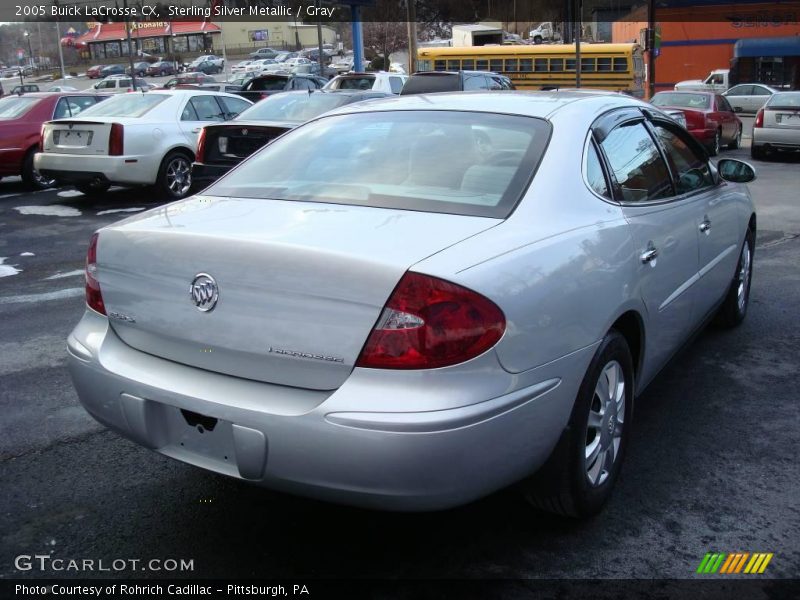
(525, 103)
(52, 94)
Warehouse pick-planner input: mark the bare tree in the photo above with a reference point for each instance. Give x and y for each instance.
(385, 37)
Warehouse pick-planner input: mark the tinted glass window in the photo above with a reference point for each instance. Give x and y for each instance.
(620, 65)
(427, 84)
(294, 107)
(741, 90)
(453, 64)
(481, 65)
(682, 100)
(78, 104)
(690, 168)
(638, 168)
(760, 91)
(233, 106)
(722, 104)
(356, 83)
(62, 109)
(474, 82)
(323, 161)
(267, 84)
(789, 100)
(396, 84)
(207, 108)
(126, 105)
(594, 173)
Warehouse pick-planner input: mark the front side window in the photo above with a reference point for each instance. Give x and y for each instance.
(324, 161)
(690, 168)
(637, 166)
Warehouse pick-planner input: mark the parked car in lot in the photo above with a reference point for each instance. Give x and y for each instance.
(139, 69)
(114, 143)
(21, 119)
(188, 78)
(208, 64)
(109, 70)
(264, 86)
(93, 72)
(161, 68)
(223, 146)
(25, 89)
(62, 88)
(264, 53)
(709, 117)
(777, 125)
(390, 83)
(401, 319)
(430, 82)
(117, 84)
(748, 97)
(240, 80)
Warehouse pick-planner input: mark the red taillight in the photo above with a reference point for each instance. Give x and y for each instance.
(41, 139)
(115, 140)
(428, 323)
(264, 95)
(759, 122)
(201, 146)
(94, 297)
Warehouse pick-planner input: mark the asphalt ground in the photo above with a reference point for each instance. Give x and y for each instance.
(712, 464)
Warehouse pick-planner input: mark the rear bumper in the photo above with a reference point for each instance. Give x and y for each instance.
(705, 136)
(77, 168)
(204, 175)
(782, 139)
(332, 445)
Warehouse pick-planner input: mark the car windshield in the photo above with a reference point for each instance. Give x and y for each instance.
(294, 107)
(400, 160)
(682, 100)
(12, 107)
(788, 100)
(126, 105)
(356, 83)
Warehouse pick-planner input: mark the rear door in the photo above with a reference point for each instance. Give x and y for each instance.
(730, 124)
(740, 97)
(199, 111)
(663, 228)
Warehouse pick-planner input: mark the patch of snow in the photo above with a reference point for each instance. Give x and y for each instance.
(70, 194)
(7, 270)
(54, 210)
(27, 254)
(74, 273)
(60, 294)
(120, 210)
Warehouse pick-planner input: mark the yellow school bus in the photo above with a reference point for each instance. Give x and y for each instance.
(616, 67)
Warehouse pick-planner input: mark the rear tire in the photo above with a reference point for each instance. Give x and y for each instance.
(175, 175)
(734, 308)
(757, 152)
(32, 178)
(578, 478)
(715, 145)
(737, 140)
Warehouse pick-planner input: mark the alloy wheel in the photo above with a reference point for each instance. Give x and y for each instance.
(743, 283)
(179, 176)
(605, 425)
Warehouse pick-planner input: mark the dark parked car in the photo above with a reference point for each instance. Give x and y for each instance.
(709, 117)
(25, 89)
(94, 72)
(139, 69)
(21, 119)
(222, 147)
(264, 86)
(161, 68)
(112, 70)
(191, 78)
(430, 82)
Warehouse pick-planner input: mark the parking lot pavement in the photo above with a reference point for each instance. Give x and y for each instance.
(712, 461)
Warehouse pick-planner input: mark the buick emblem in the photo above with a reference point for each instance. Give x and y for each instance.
(204, 292)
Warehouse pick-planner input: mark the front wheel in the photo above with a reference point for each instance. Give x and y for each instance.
(175, 175)
(578, 478)
(734, 308)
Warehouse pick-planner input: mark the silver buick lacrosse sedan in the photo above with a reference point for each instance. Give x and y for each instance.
(410, 303)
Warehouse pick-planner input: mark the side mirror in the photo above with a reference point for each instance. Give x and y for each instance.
(737, 171)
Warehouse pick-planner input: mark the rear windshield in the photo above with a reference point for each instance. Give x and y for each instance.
(268, 84)
(125, 105)
(785, 100)
(16, 106)
(296, 108)
(356, 83)
(401, 160)
(429, 84)
(682, 100)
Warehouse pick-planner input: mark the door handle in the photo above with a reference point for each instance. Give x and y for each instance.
(705, 226)
(649, 255)
(196, 130)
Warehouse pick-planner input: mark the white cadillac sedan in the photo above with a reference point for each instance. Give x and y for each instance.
(135, 139)
(410, 303)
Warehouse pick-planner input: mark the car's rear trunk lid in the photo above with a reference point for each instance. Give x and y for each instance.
(300, 285)
(232, 142)
(782, 117)
(76, 137)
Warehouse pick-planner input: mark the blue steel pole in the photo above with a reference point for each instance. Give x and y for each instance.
(358, 38)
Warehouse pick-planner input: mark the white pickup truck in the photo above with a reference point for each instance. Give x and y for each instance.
(717, 81)
(545, 32)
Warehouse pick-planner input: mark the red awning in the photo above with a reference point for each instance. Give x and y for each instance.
(106, 32)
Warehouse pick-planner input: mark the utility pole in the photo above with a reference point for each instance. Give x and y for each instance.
(319, 40)
(130, 49)
(578, 34)
(651, 42)
(411, 11)
(60, 50)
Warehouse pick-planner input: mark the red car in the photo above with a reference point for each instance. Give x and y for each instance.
(94, 72)
(709, 117)
(21, 119)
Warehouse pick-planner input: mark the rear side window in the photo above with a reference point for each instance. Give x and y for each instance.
(207, 108)
(595, 176)
(428, 84)
(639, 171)
(341, 159)
(396, 84)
